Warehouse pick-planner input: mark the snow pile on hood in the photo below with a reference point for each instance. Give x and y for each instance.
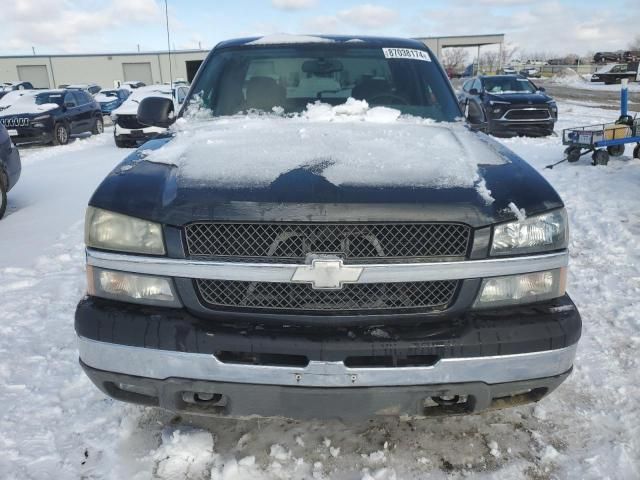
(350, 144)
(130, 105)
(11, 97)
(104, 98)
(285, 38)
(26, 104)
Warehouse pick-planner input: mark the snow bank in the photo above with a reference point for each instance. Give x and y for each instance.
(568, 77)
(349, 144)
(285, 38)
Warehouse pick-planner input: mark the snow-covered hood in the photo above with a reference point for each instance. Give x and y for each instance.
(102, 98)
(257, 165)
(27, 108)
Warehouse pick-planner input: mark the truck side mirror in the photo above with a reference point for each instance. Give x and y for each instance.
(473, 91)
(156, 112)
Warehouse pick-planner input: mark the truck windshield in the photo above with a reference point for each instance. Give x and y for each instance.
(287, 79)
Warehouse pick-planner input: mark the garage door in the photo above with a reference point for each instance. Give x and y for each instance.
(137, 71)
(36, 74)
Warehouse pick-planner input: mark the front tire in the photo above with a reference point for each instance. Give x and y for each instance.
(123, 143)
(616, 150)
(572, 154)
(60, 134)
(600, 157)
(636, 151)
(98, 126)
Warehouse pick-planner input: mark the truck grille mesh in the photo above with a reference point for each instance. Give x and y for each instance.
(351, 241)
(353, 297)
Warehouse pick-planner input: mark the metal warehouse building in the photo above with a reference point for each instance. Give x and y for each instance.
(49, 71)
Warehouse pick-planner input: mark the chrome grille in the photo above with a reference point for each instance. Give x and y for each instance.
(15, 121)
(350, 241)
(353, 297)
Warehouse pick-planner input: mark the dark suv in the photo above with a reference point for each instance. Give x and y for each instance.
(52, 116)
(320, 235)
(508, 105)
(9, 167)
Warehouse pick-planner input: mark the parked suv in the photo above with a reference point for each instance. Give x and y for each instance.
(320, 235)
(52, 116)
(109, 100)
(508, 105)
(9, 167)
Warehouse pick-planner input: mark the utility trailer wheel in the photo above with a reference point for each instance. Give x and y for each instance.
(636, 151)
(572, 154)
(600, 157)
(616, 150)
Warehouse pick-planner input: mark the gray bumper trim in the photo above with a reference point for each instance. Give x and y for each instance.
(371, 273)
(162, 364)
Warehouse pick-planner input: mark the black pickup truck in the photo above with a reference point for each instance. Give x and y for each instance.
(321, 235)
(616, 73)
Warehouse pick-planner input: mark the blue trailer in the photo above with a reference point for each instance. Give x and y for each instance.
(604, 140)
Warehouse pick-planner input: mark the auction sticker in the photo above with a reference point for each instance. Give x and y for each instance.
(406, 53)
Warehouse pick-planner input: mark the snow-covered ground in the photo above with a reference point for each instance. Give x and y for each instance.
(54, 424)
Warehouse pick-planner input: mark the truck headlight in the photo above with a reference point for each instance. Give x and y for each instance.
(520, 289)
(131, 287)
(114, 231)
(540, 233)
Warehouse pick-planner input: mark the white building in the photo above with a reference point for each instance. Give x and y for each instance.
(49, 71)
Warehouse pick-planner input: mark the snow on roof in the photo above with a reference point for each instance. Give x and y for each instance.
(350, 144)
(285, 38)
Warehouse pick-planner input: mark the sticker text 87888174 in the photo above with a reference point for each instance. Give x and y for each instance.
(406, 53)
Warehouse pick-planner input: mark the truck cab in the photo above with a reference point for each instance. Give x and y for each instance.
(320, 235)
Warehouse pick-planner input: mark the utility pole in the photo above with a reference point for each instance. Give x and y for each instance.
(166, 14)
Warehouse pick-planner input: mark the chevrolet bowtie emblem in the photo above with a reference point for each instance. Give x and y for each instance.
(326, 273)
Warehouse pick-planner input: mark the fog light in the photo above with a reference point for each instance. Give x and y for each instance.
(131, 287)
(520, 289)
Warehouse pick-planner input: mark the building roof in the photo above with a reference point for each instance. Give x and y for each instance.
(107, 54)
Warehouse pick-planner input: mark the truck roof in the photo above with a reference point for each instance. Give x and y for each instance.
(284, 39)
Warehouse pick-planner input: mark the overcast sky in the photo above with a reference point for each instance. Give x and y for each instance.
(70, 26)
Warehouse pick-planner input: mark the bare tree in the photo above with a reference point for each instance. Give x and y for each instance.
(635, 45)
(454, 58)
(489, 61)
(508, 52)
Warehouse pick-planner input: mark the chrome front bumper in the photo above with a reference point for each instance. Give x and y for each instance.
(164, 364)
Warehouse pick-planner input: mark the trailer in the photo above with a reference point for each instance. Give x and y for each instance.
(602, 141)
